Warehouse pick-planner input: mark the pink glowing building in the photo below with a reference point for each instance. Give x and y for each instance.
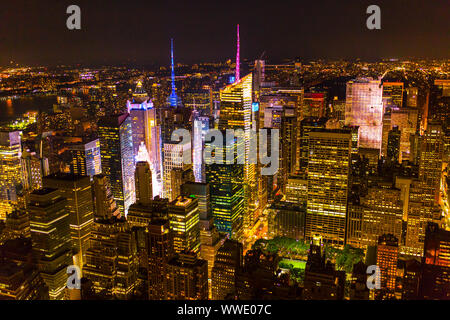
(364, 108)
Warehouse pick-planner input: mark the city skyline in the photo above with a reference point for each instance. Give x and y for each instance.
(258, 177)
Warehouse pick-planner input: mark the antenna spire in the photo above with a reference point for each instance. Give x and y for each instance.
(237, 76)
(173, 98)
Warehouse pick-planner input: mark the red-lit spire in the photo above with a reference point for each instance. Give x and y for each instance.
(237, 56)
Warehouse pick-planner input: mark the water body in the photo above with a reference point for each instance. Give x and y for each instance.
(11, 109)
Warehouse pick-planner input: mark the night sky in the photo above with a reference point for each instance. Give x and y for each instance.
(34, 32)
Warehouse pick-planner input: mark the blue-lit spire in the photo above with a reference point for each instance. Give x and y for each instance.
(173, 98)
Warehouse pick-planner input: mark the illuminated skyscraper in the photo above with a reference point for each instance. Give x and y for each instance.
(200, 128)
(86, 160)
(116, 144)
(77, 190)
(393, 145)
(313, 105)
(10, 170)
(236, 113)
(105, 206)
(177, 168)
(111, 260)
(50, 235)
(143, 180)
(383, 214)
(33, 169)
(387, 256)
(160, 251)
(185, 224)
(430, 164)
(187, 278)
(210, 239)
(394, 92)
(436, 264)
(146, 131)
(328, 184)
(306, 126)
(364, 108)
(228, 261)
(227, 190)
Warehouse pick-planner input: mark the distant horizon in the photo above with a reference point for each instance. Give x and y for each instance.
(243, 61)
(138, 32)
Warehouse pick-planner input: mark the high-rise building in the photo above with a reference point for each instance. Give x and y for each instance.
(328, 184)
(436, 264)
(200, 128)
(227, 190)
(185, 224)
(411, 97)
(177, 168)
(430, 164)
(313, 105)
(393, 145)
(306, 126)
(383, 214)
(387, 256)
(19, 277)
(160, 252)
(86, 160)
(229, 259)
(78, 192)
(33, 169)
(394, 92)
(210, 239)
(111, 260)
(236, 113)
(116, 145)
(105, 206)
(50, 235)
(10, 170)
(187, 278)
(146, 132)
(286, 219)
(143, 181)
(364, 108)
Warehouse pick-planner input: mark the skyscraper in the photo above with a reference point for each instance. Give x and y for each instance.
(187, 278)
(160, 252)
(393, 145)
(387, 256)
(436, 264)
(86, 160)
(227, 262)
(50, 235)
(328, 184)
(105, 206)
(210, 239)
(236, 113)
(77, 190)
(10, 169)
(116, 144)
(394, 92)
(364, 108)
(111, 260)
(184, 223)
(143, 180)
(227, 190)
(177, 168)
